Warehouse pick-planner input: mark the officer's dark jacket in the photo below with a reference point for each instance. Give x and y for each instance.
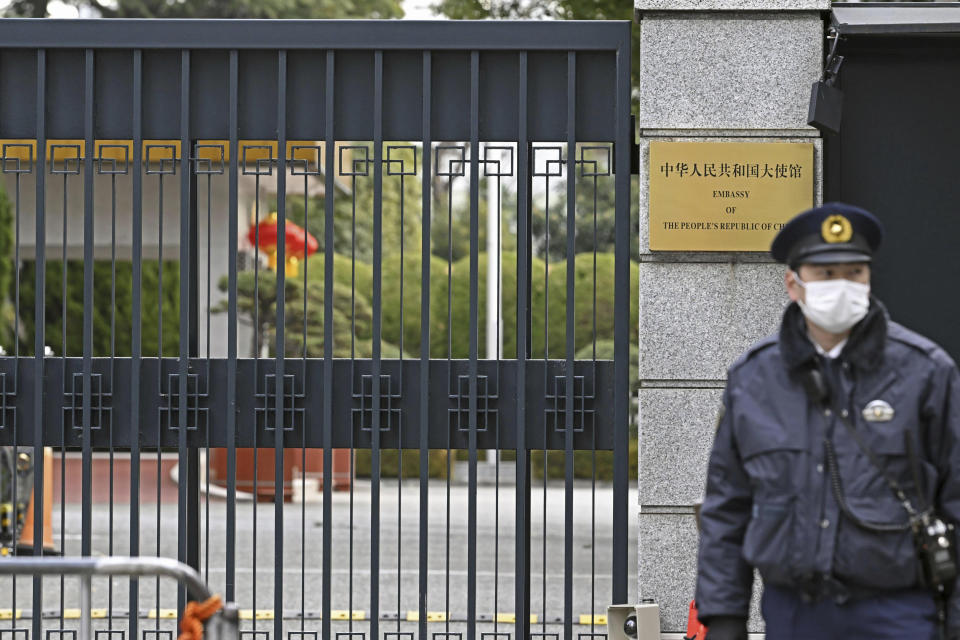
(769, 502)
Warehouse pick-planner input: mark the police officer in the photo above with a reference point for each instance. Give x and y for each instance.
(821, 425)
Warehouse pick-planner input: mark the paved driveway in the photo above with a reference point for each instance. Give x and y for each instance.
(351, 582)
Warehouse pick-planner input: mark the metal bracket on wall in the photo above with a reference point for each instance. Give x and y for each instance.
(826, 100)
(831, 66)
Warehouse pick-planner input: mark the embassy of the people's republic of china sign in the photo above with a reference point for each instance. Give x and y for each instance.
(726, 196)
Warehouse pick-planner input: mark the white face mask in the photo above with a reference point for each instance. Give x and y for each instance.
(834, 305)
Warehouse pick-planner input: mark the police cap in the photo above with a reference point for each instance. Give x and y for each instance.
(832, 233)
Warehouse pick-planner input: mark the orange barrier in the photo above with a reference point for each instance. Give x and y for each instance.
(25, 543)
(695, 630)
(195, 614)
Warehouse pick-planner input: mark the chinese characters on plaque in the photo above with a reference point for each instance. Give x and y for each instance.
(726, 196)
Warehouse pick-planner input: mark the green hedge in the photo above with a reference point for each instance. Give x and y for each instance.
(353, 297)
(584, 463)
(111, 282)
(7, 266)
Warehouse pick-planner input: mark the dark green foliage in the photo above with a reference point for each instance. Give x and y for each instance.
(262, 288)
(390, 463)
(445, 243)
(358, 276)
(410, 310)
(553, 298)
(7, 267)
(595, 217)
(584, 463)
(112, 323)
(605, 351)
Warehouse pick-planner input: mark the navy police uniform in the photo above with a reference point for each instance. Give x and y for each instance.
(771, 495)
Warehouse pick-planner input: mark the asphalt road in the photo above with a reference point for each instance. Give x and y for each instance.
(352, 528)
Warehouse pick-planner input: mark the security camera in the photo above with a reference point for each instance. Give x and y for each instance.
(633, 622)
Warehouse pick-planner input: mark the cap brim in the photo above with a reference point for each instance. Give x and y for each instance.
(835, 257)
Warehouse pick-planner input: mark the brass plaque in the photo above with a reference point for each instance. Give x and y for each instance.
(726, 196)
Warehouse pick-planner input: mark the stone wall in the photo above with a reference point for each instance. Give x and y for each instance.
(737, 70)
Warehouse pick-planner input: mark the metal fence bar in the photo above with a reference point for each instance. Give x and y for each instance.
(330, 173)
(15, 457)
(64, 265)
(279, 426)
(593, 452)
(87, 480)
(425, 252)
(621, 325)
(190, 167)
(185, 319)
(206, 374)
(377, 336)
(352, 172)
(102, 166)
(162, 373)
(234, 216)
(569, 409)
(137, 334)
(474, 310)
(39, 339)
(546, 173)
(256, 381)
(523, 498)
(192, 473)
(307, 384)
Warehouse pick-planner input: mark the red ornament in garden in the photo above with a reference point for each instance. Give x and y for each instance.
(299, 243)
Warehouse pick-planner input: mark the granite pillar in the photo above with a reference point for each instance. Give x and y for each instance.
(711, 70)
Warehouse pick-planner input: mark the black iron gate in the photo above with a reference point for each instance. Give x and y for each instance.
(219, 337)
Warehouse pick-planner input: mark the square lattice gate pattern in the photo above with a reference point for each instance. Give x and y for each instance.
(164, 320)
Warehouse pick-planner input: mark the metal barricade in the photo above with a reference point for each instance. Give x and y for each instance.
(223, 625)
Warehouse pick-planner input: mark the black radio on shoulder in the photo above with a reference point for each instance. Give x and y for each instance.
(936, 550)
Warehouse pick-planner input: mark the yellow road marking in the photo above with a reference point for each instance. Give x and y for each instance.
(343, 614)
(268, 614)
(432, 616)
(261, 614)
(165, 614)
